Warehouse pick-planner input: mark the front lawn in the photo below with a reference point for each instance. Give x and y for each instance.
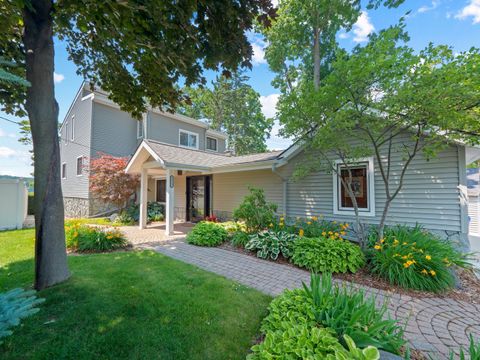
(135, 305)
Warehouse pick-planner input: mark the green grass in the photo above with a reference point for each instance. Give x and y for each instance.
(129, 305)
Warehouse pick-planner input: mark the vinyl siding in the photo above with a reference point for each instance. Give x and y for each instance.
(114, 132)
(73, 185)
(430, 194)
(229, 189)
(165, 129)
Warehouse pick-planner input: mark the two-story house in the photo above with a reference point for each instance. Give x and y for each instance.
(183, 163)
(95, 125)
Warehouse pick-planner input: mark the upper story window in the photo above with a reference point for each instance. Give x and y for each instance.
(65, 136)
(64, 170)
(72, 125)
(362, 184)
(211, 144)
(188, 139)
(139, 129)
(79, 165)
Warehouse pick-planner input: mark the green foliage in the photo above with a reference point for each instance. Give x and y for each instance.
(349, 312)
(207, 233)
(16, 305)
(232, 106)
(297, 342)
(270, 244)
(314, 226)
(473, 350)
(347, 315)
(131, 214)
(327, 255)
(85, 238)
(233, 226)
(240, 239)
(255, 211)
(413, 258)
(7, 77)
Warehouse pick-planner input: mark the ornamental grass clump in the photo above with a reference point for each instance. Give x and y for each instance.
(327, 254)
(414, 259)
(84, 238)
(207, 233)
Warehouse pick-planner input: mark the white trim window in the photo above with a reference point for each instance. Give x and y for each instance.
(140, 129)
(64, 170)
(80, 166)
(188, 139)
(362, 184)
(72, 135)
(211, 143)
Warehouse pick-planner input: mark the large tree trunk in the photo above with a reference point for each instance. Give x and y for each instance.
(50, 253)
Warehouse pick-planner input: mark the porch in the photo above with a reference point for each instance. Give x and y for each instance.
(154, 234)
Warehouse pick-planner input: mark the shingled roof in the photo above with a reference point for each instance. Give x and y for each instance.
(177, 155)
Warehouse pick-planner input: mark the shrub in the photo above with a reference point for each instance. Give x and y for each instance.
(255, 211)
(131, 214)
(84, 238)
(233, 226)
(207, 234)
(327, 255)
(345, 311)
(414, 258)
(239, 239)
(16, 305)
(270, 244)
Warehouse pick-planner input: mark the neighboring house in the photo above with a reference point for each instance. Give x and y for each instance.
(473, 185)
(94, 125)
(177, 168)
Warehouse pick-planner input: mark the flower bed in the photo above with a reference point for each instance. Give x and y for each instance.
(84, 238)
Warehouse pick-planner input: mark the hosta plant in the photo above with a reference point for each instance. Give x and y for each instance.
(16, 305)
(327, 255)
(414, 258)
(270, 244)
(207, 233)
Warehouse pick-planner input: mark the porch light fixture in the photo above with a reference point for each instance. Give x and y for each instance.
(171, 181)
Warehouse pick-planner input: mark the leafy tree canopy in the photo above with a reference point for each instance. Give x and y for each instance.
(232, 106)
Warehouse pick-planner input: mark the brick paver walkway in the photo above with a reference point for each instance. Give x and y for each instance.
(434, 325)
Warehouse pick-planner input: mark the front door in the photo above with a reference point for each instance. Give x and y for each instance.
(198, 197)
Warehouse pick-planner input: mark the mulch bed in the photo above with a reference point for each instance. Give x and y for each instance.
(468, 284)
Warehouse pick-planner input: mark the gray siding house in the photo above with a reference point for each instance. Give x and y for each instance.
(95, 125)
(174, 158)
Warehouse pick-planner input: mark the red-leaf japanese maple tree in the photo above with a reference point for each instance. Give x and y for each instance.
(109, 182)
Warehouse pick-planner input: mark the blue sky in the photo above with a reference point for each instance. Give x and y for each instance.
(452, 22)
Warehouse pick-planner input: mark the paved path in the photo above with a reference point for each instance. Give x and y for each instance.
(434, 325)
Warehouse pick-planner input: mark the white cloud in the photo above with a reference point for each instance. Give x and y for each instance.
(343, 35)
(471, 10)
(58, 78)
(258, 56)
(269, 102)
(2, 133)
(362, 28)
(6, 152)
(425, 8)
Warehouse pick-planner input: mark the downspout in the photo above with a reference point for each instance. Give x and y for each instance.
(285, 187)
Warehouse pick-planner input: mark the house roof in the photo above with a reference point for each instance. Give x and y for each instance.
(180, 157)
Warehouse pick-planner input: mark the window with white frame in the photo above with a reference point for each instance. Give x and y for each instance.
(139, 129)
(72, 125)
(211, 144)
(360, 176)
(188, 139)
(64, 171)
(79, 165)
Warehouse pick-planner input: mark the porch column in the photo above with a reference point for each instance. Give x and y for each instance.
(170, 202)
(142, 222)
